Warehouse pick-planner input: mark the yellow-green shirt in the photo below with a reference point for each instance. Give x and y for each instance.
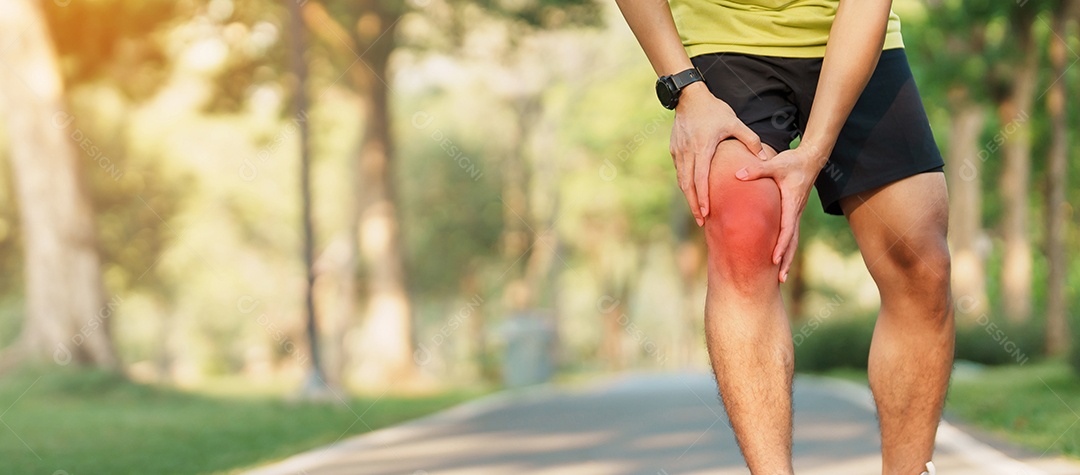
(786, 28)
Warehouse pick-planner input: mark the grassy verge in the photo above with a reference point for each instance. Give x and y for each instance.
(853, 375)
(71, 423)
(1036, 405)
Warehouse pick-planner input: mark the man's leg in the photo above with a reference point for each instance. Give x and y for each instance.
(746, 328)
(901, 230)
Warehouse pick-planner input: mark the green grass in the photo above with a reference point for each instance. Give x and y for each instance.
(850, 374)
(1034, 405)
(1031, 405)
(93, 422)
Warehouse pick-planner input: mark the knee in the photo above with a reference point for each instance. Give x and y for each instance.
(922, 267)
(742, 226)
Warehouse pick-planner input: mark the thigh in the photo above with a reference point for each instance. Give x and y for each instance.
(901, 231)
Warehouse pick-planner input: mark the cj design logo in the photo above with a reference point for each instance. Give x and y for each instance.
(608, 171)
(248, 171)
(421, 120)
(422, 355)
(62, 355)
(61, 120)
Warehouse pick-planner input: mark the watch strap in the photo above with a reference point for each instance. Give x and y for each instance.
(686, 78)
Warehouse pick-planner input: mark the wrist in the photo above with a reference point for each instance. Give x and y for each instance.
(818, 151)
(692, 93)
(675, 67)
(696, 88)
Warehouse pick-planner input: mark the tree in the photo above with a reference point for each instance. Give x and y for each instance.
(67, 316)
(364, 33)
(964, 169)
(112, 45)
(1014, 111)
(531, 245)
(958, 59)
(316, 385)
(1057, 209)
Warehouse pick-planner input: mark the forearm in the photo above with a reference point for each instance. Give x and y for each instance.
(654, 27)
(855, 42)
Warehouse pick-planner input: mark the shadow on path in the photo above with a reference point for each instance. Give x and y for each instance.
(660, 424)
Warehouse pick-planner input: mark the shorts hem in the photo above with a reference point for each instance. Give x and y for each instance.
(833, 206)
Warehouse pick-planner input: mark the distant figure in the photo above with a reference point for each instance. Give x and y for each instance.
(745, 78)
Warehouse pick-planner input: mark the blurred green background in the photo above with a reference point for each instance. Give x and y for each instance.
(193, 192)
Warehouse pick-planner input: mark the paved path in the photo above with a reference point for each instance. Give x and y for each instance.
(663, 424)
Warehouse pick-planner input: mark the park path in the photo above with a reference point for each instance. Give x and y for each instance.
(656, 424)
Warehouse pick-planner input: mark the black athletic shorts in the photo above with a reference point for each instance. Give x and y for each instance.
(886, 138)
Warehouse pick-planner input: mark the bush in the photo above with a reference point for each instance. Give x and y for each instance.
(1074, 352)
(840, 343)
(994, 341)
(845, 343)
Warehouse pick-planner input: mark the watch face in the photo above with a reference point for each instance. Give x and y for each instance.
(666, 94)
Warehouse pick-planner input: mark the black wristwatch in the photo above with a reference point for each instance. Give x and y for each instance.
(668, 88)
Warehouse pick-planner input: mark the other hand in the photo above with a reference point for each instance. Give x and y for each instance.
(701, 122)
(794, 172)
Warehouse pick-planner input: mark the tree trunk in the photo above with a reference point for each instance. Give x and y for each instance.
(1015, 112)
(67, 318)
(345, 314)
(1057, 209)
(479, 352)
(515, 179)
(965, 165)
(519, 241)
(689, 258)
(315, 386)
(798, 289)
(614, 318)
(387, 345)
(335, 291)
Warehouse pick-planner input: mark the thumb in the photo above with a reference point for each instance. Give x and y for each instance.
(755, 171)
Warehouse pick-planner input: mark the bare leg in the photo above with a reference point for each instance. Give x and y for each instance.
(901, 231)
(746, 328)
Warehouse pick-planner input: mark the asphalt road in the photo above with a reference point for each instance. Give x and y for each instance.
(662, 424)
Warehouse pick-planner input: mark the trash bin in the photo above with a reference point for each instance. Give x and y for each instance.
(527, 356)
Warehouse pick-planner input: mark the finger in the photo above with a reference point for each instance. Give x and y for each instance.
(702, 165)
(789, 256)
(751, 140)
(788, 227)
(685, 172)
(755, 171)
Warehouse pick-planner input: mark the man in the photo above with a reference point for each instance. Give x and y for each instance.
(834, 74)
